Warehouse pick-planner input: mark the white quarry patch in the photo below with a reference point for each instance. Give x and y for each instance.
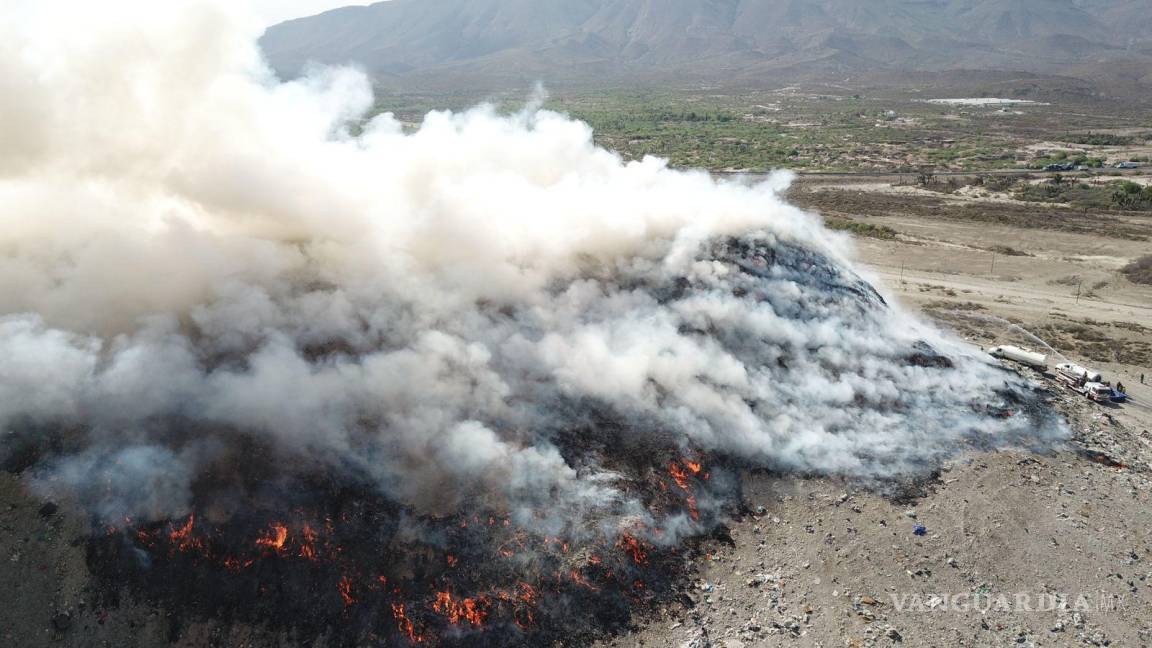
(985, 101)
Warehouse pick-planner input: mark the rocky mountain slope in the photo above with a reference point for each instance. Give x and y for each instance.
(743, 40)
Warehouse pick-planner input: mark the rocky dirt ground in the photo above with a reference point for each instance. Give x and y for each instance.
(1018, 548)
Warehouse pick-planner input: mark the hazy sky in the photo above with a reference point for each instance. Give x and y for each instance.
(274, 11)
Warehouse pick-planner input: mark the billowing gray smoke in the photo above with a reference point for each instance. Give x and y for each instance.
(487, 311)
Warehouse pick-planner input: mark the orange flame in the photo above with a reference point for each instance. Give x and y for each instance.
(234, 564)
(634, 548)
(579, 579)
(528, 594)
(275, 539)
(443, 604)
(679, 475)
(308, 546)
(404, 624)
(471, 610)
(183, 538)
(345, 588)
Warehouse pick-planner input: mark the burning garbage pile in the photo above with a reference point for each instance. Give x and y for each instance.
(356, 572)
(473, 382)
(329, 546)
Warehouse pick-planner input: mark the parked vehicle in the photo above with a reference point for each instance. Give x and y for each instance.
(1098, 392)
(1076, 376)
(1088, 382)
(1023, 356)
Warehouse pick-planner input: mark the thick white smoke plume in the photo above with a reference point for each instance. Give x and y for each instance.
(193, 253)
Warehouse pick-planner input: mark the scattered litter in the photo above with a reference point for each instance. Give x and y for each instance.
(62, 622)
(1096, 456)
(919, 529)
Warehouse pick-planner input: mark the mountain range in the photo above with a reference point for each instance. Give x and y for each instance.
(487, 42)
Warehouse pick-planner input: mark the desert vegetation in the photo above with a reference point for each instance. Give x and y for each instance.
(1140, 270)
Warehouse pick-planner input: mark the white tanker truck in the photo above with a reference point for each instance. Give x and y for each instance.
(1032, 359)
(1074, 374)
(1084, 381)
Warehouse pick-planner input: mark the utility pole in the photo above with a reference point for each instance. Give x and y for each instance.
(993, 270)
(1080, 283)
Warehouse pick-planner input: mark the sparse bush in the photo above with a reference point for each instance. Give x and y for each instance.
(1008, 251)
(860, 229)
(1116, 195)
(1129, 195)
(1098, 139)
(953, 305)
(999, 183)
(1139, 271)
